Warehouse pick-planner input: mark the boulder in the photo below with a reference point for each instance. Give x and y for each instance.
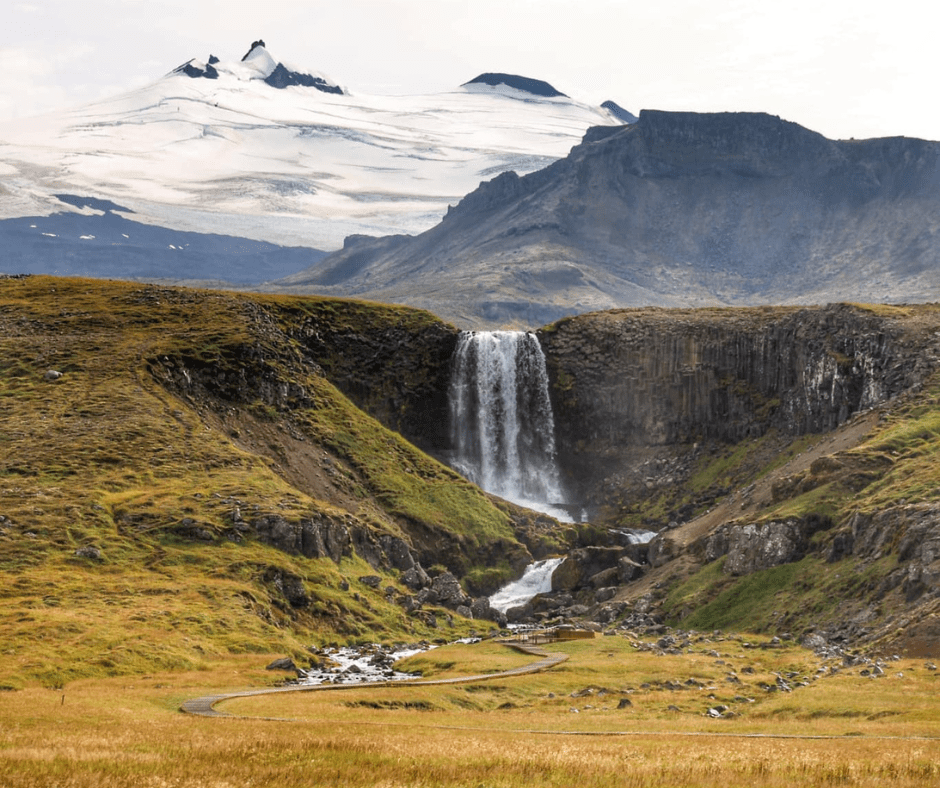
(755, 547)
(662, 550)
(448, 591)
(582, 564)
(481, 609)
(416, 578)
(605, 578)
(284, 663)
(426, 596)
(397, 551)
(605, 594)
(629, 570)
(90, 552)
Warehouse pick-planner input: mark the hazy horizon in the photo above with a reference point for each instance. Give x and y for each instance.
(843, 69)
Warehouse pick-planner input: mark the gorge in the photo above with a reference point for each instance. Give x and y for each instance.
(289, 454)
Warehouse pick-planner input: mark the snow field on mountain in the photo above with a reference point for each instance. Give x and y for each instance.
(226, 155)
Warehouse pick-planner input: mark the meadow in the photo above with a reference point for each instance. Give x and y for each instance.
(618, 712)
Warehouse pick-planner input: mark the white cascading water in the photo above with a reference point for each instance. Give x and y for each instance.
(536, 580)
(501, 419)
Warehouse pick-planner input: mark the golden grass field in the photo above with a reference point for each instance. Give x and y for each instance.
(840, 729)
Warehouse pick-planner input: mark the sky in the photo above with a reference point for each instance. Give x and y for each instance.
(845, 69)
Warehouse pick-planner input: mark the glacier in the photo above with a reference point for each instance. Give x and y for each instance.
(294, 166)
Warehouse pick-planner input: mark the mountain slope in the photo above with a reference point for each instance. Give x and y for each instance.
(677, 209)
(180, 479)
(102, 239)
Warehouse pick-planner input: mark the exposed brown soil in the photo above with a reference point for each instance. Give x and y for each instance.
(743, 505)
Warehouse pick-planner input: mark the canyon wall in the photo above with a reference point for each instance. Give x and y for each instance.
(393, 363)
(631, 387)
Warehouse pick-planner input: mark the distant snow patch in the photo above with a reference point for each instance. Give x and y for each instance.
(619, 112)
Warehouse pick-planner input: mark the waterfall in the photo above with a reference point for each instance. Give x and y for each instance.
(501, 419)
(536, 580)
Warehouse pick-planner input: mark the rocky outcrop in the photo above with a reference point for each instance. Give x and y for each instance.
(282, 77)
(318, 538)
(288, 586)
(630, 387)
(618, 112)
(755, 546)
(911, 532)
(535, 87)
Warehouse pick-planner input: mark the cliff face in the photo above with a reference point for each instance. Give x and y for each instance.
(634, 385)
(393, 363)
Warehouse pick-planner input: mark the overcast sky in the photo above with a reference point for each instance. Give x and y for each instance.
(846, 69)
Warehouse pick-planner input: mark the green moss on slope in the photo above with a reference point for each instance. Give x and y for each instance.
(132, 456)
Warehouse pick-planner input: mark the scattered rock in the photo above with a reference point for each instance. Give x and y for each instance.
(416, 578)
(291, 586)
(284, 663)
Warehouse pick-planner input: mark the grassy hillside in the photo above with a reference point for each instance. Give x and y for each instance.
(145, 430)
(869, 572)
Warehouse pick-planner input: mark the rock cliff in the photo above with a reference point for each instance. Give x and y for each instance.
(637, 393)
(393, 363)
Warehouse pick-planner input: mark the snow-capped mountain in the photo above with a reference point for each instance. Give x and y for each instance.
(254, 148)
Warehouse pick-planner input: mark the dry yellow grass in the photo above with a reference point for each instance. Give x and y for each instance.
(125, 732)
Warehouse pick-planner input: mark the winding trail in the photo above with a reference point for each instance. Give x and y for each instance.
(205, 706)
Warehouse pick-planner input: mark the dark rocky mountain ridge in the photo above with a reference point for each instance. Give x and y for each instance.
(536, 87)
(678, 209)
(280, 77)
